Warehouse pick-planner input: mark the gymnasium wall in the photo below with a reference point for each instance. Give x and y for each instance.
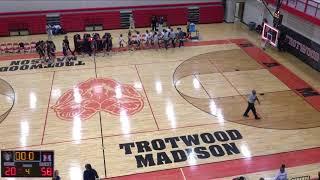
(255, 12)
(45, 5)
(303, 36)
(72, 20)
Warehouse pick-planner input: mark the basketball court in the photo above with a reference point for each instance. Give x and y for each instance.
(167, 114)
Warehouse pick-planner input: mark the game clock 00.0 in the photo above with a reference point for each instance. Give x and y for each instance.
(27, 163)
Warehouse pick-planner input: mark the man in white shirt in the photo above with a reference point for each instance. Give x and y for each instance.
(49, 31)
(150, 37)
(131, 21)
(166, 38)
(251, 100)
(282, 174)
(173, 38)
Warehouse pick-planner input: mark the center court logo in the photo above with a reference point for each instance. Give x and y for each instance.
(95, 95)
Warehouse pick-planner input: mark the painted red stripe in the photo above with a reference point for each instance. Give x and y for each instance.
(174, 174)
(314, 101)
(45, 122)
(282, 73)
(205, 43)
(23, 56)
(239, 41)
(258, 55)
(34, 55)
(232, 167)
(252, 165)
(290, 79)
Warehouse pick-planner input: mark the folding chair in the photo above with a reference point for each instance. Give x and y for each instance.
(33, 46)
(27, 47)
(3, 48)
(10, 47)
(15, 48)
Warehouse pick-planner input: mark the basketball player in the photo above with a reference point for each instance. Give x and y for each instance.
(51, 48)
(121, 41)
(251, 100)
(66, 47)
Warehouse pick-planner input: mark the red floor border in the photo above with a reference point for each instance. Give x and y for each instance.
(295, 83)
(49, 100)
(245, 165)
(252, 164)
(144, 90)
(232, 167)
(11, 57)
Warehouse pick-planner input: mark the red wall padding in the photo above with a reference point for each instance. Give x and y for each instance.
(77, 22)
(175, 16)
(211, 14)
(35, 24)
(110, 20)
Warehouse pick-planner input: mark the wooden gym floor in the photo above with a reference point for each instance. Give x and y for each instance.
(155, 104)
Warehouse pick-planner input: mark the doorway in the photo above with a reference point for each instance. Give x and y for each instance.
(239, 11)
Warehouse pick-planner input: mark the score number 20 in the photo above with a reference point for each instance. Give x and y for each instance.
(12, 171)
(45, 171)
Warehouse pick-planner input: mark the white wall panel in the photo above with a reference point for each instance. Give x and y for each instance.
(253, 12)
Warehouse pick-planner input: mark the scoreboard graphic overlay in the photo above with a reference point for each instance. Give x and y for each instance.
(27, 163)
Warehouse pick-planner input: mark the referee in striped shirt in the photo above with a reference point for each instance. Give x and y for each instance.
(251, 100)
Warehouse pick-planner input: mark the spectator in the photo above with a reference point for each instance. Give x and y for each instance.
(21, 47)
(172, 37)
(138, 39)
(261, 178)
(66, 46)
(264, 21)
(154, 23)
(49, 31)
(239, 178)
(87, 46)
(161, 21)
(168, 28)
(131, 21)
(155, 39)
(56, 175)
(181, 36)
(77, 44)
(121, 41)
(160, 38)
(56, 29)
(282, 174)
(90, 173)
(40, 48)
(150, 37)
(109, 43)
(188, 29)
(166, 38)
(51, 49)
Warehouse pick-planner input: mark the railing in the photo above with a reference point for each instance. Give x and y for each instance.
(309, 7)
(301, 178)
